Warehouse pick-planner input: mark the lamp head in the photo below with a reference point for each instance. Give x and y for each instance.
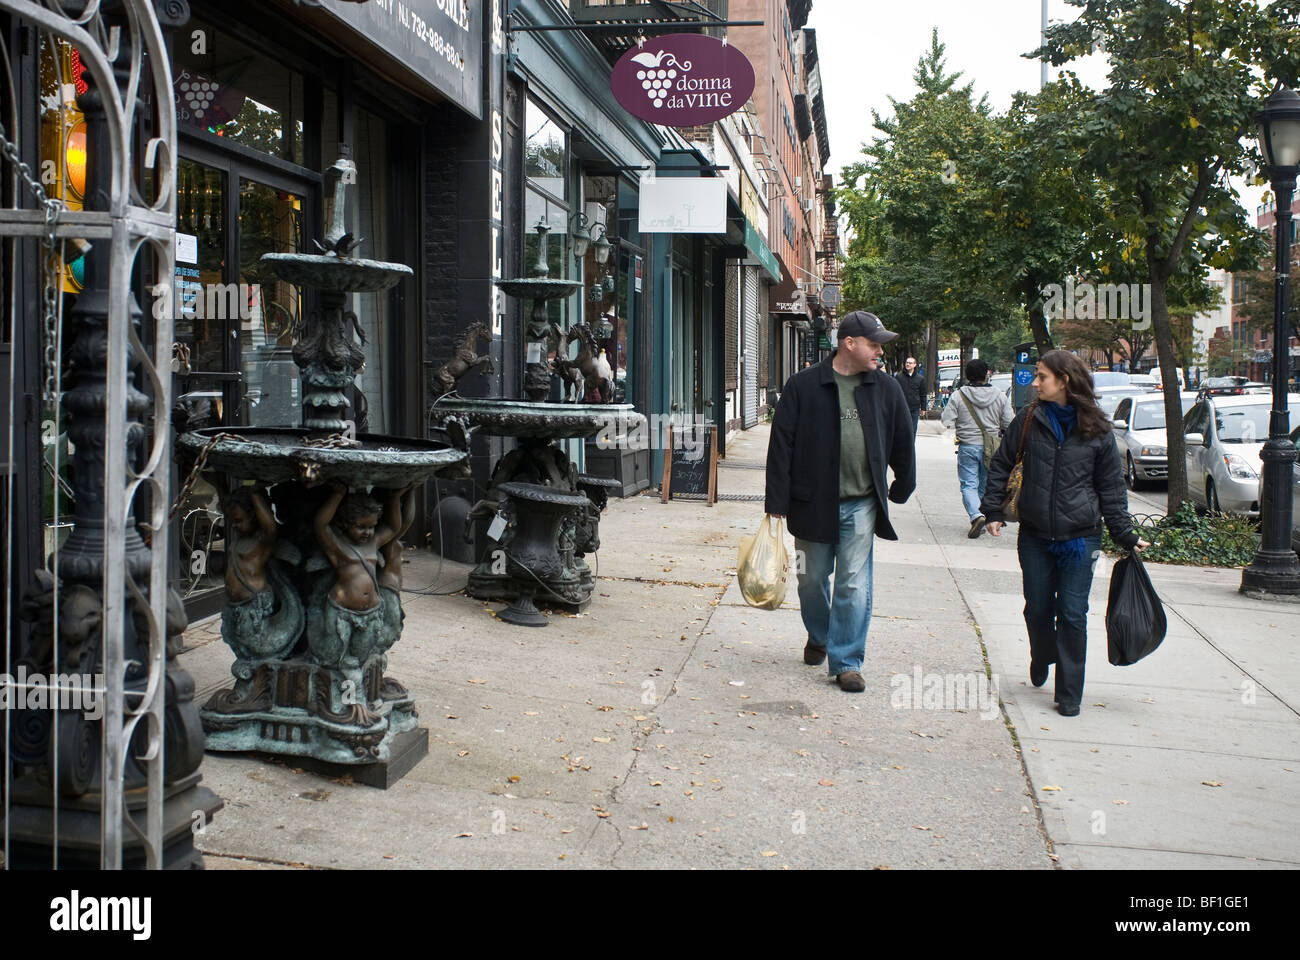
(602, 245)
(581, 236)
(1279, 134)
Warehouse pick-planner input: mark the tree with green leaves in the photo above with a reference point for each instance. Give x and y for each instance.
(920, 255)
(1186, 78)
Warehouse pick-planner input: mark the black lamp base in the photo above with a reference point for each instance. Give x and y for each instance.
(1273, 575)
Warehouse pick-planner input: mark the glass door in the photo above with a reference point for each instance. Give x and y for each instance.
(234, 322)
(270, 221)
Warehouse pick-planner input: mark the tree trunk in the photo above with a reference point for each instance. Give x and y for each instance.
(1037, 322)
(932, 360)
(1175, 448)
(966, 342)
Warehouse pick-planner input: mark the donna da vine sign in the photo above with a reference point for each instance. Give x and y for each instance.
(682, 80)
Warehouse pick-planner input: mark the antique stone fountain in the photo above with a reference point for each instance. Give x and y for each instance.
(313, 521)
(546, 515)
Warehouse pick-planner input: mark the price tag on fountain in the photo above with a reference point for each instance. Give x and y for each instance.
(496, 528)
(535, 352)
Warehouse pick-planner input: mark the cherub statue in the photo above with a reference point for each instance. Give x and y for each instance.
(263, 615)
(399, 514)
(348, 616)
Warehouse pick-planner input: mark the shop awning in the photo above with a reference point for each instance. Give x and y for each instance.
(755, 244)
(786, 297)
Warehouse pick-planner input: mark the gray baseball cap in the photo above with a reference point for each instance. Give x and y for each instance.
(859, 323)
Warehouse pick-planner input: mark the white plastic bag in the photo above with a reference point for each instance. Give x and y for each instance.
(764, 567)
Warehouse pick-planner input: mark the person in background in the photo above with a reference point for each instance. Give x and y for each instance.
(1072, 479)
(980, 414)
(913, 383)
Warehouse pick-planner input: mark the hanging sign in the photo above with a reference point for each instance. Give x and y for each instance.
(683, 205)
(682, 80)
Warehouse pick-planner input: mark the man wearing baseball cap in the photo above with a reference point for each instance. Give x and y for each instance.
(838, 426)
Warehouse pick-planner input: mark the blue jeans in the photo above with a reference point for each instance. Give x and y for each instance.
(1056, 611)
(916, 418)
(973, 475)
(840, 623)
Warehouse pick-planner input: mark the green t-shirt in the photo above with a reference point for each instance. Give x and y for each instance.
(855, 474)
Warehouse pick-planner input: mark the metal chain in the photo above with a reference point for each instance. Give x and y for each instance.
(333, 441)
(200, 462)
(51, 265)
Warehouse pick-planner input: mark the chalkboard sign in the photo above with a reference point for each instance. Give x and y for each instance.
(691, 462)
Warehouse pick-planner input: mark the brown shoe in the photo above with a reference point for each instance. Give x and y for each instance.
(851, 681)
(813, 654)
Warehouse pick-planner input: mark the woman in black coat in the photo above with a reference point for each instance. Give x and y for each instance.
(1072, 480)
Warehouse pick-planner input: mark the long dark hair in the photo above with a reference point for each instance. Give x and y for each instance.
(1070, 370)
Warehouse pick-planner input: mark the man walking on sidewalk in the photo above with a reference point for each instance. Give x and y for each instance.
(839, 424)
(913, 385)
(980, 413)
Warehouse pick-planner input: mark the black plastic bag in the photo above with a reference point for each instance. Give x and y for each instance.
(1135, 618)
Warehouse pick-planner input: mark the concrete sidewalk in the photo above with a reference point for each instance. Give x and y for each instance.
(672, 726)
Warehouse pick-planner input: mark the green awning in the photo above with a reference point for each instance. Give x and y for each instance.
(755, 245)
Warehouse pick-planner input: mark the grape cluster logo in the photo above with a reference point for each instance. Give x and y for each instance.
(657, 81)
(683, 80)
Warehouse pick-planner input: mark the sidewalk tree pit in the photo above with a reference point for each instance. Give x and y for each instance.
(314, 517)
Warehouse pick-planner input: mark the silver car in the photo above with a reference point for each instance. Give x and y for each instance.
(1224, 437)
(1139, 424)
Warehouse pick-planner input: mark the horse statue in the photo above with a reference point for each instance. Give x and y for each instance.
(464, 359)
(566, 369)
(596, 372)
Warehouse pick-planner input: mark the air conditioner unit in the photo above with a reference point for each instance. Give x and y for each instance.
(798, 182)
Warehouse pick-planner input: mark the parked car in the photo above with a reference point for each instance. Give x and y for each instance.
(1108, 398)
(1109, 378)
(1224, 436)
(1144, 380)
(1140, 435)
(1223, 387)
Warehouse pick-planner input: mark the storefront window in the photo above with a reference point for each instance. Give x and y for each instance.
(546, 153)
(223, 87)
(546, 161)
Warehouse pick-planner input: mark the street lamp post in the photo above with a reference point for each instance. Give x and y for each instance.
(1275, 570)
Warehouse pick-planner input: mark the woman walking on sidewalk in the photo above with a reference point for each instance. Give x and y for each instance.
(1072, 480)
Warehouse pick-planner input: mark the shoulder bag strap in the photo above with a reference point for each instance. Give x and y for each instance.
(974, 416)
(1024, 431)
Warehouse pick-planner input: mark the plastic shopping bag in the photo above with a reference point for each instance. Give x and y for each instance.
(764, 566)
(1135, 618)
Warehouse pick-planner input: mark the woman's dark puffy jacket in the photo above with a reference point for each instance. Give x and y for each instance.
(1068, 488)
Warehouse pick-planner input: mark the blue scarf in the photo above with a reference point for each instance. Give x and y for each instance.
(1062, 417)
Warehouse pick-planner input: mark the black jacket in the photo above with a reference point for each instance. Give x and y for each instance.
(1068, 488)
(803, 452)
(913, 388)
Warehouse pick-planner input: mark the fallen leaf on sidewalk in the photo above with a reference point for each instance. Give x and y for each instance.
(917, 827)
(769, 853)
(475, 680)
(1051, 788)
(644, 826)
(1120, 803)
(1212, 783)
(600, 739)
(604, 708)
(459, 835)
(656, 783)
(463, 753)
(512, 779)
(530, 713)
(801, 753)
(825, 783)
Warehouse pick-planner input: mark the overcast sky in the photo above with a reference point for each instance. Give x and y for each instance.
(869, 49)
